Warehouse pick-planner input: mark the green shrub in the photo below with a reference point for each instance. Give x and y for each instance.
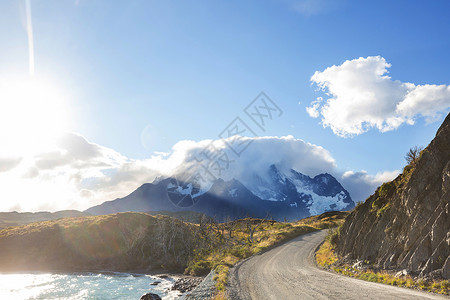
(282, 225)
(382, 210)
(242, 251)
(199, 268)
(333, 235)
(369, 277)
(385, 189)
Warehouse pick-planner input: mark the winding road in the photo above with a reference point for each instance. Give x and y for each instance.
(288, 272)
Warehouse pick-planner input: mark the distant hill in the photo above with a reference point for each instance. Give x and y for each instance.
(125, 241)
(14, 218)
(405, 224)
(186, 216)
(11, 219)
(282, 195)
(139, 242)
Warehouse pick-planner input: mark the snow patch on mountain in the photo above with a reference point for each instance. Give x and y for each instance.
(322, 204)
(319, 194)
(186, 190)
(300, 192)
(233, 193)
(264, 193)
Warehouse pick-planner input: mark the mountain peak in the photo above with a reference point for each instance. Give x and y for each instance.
(281, 192)
(319, 194)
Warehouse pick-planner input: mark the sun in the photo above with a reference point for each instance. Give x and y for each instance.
(32, 111)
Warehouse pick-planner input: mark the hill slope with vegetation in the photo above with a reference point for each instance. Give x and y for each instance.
(227, 243)
(405, 224)
(11, 219)
(125, 241)
(141, 242)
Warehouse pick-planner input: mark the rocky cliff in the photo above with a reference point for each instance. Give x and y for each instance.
(405, 223)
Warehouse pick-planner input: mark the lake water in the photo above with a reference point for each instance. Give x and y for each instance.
(83, 286)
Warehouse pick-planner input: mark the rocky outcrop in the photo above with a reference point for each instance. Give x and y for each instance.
(205, 290)
(150, 296)
(405, 223)
(186, 284)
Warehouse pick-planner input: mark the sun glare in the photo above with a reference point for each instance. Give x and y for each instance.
(31, 112)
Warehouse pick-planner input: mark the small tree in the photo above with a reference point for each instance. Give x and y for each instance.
(413, 155)
(229, 226)
(253, 226)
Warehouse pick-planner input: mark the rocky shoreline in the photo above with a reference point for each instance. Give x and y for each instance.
(186, 284)
(183, 284)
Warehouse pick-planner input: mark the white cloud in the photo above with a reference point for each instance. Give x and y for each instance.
(313, 110)
(362, 97)
(76, 152)
(74, 173)
(426, 100)
(361, 184)
(8, 163)
(51, 177)
(285, 151)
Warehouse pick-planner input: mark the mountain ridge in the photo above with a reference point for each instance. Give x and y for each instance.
(297, 196)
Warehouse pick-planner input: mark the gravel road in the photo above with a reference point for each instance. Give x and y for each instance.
(288, 272)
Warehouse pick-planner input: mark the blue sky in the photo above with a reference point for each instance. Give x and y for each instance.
(138, 77)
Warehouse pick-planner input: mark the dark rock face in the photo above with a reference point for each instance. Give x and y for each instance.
(150, 296)
(405, 224)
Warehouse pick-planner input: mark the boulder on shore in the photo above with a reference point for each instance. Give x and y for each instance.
(150, 296)
(186, 284)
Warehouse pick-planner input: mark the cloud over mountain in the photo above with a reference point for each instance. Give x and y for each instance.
(73, 172)
(361, 184)
(8, 163)
(363, 96)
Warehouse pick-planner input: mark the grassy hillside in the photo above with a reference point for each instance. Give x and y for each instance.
(227, 243)
(139, 241)
(124, 241)
(186, 216)
(326, 257)
(10, 219)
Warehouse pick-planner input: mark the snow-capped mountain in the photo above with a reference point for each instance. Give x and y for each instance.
(319, 194)
(279, 194)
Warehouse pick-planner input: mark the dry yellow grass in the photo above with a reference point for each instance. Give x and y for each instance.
(325, 257)
(220, 296)
(229, 251)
